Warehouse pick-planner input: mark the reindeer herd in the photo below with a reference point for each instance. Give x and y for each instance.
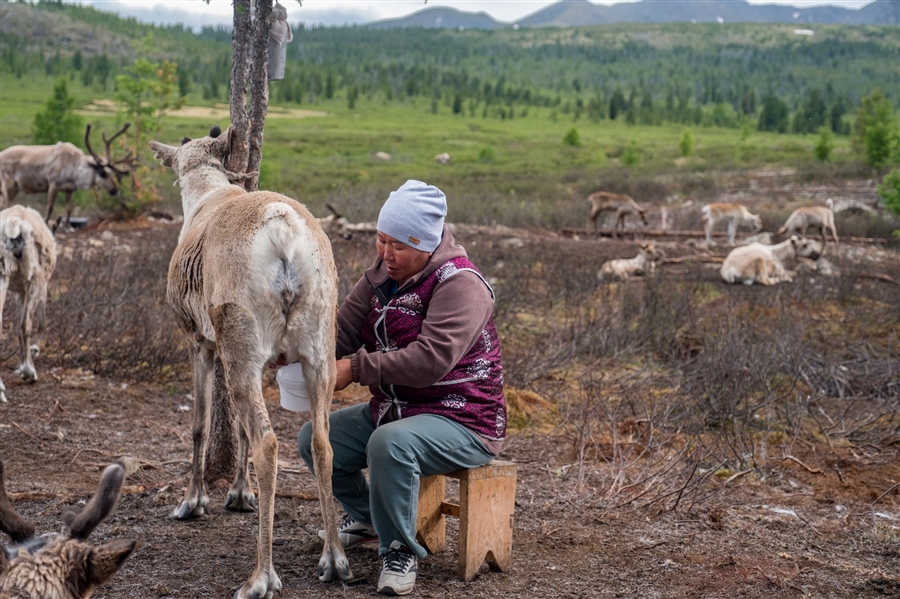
(755, 262)
(251, 282)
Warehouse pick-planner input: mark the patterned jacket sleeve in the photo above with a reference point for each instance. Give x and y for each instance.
(457, 313)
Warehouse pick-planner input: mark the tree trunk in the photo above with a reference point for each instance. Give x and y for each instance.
(259, 89)
(240, 70)
(221, 455)
(248, 62)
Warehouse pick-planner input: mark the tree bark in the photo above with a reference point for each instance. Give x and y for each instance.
(222, 452)
(221, 455)
(259, 89)
(240, 70)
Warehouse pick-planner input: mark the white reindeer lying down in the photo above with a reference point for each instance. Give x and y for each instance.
(65, 566)
(625, 268)
(27, 260)
(765, 264)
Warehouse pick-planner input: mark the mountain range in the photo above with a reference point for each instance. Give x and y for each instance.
(573, 13)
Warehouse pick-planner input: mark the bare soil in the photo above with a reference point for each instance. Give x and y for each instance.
(825, 523)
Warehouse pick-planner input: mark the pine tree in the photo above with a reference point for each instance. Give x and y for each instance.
(58, 121)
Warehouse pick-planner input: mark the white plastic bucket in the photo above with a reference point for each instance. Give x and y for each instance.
(294, 395)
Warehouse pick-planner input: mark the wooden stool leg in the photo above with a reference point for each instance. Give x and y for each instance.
(485, 525)
(432, 527)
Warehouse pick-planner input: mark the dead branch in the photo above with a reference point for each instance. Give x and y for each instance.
(808, 469)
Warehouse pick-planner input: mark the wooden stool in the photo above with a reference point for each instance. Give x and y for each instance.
(487, 497)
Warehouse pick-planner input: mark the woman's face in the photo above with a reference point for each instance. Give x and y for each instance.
(401, 260)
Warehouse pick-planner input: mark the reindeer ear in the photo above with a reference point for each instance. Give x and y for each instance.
(165, 154)
(222, 144)
(105, 560)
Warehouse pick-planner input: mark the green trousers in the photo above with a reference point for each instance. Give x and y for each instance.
(397, 455)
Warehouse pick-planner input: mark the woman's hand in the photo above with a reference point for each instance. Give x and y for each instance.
(344, 374)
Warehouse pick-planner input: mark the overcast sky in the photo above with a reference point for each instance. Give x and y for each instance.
(197, 13)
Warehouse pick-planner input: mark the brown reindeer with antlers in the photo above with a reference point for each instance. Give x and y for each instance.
(61, 167)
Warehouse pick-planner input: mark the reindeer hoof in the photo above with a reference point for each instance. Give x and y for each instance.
(188, 510)
(28, 373)
(240, 502)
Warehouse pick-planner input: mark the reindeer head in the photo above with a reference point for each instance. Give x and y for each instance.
(65, 566)
(756, 223)
(806, 248)
(212, 150)
(649, 251)
(109, 172)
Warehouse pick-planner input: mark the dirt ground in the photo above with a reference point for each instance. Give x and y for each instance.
(825, 524)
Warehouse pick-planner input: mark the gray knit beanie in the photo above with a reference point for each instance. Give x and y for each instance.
(414, 215)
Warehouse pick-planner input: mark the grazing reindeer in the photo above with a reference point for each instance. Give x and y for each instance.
(253, 281)
(336, 224)
(765, 264)
(625, 268)
(811, 216)
(622, 205)
(27, 260)
(60, 167)
(735, 214)
(66, 566)
(443, 158)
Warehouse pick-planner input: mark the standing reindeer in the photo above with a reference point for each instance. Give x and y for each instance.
(64, 566)
(812, 216)
(622, 205)
(27, 260)
(734, 214)
(253, 281)
(60, 167)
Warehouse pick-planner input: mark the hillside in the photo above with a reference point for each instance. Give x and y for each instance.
(440, 17)
(576, 13)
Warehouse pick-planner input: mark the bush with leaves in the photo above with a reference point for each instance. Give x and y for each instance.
(631, 155)
(876, 130)
(889, 190)
(825, 144)
(686, 145)
(571, 138)
(58, 121)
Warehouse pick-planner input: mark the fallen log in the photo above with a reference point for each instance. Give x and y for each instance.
(693, 234)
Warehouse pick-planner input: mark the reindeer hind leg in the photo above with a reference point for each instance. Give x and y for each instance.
(319, 373)
(195, 498)
(243, 363)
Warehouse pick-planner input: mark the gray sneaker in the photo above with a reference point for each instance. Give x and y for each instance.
(352, 533)
(398, 572)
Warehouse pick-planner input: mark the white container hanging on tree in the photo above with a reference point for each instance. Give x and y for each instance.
(279, 37)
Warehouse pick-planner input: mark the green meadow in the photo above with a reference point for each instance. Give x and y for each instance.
(515, 171)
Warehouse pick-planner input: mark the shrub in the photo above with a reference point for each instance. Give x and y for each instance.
(58, 121)
(487, 155)
(686, 145)
(571, 138)
(890, 191)
(824, 145)
(631, 156)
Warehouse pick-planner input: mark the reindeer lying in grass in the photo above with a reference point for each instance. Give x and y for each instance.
(27, 260)
(734, 214)
(253, 281)
(64, 566)
(765, 264)
(622, 205)
(811, 216)
(625, 268)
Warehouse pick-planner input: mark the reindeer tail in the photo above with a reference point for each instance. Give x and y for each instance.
(830, 203)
